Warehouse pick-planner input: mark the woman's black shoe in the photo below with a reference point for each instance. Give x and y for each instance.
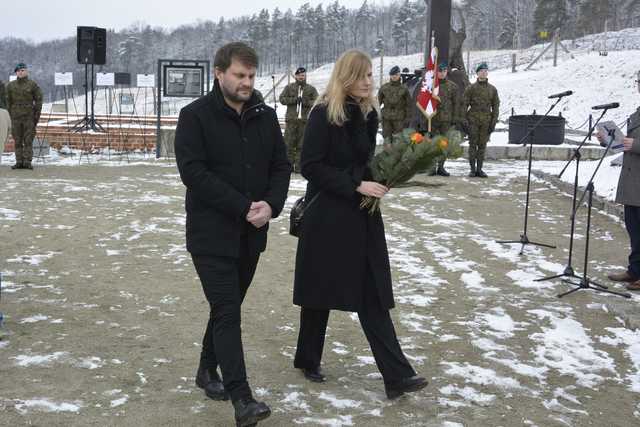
(314, 375)
(209, 380)
(406, 385)
(249, 412)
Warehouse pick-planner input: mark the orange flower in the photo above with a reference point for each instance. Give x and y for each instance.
(443, 144)
(417, 138)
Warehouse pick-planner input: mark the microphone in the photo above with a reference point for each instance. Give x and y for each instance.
(606, 106)
(561, 94)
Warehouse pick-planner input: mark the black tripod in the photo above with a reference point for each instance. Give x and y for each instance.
(524, 239)
(88, 122)
(568, 270)
(585, 281)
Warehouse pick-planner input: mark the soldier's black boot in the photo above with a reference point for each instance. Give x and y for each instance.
(472, 173)
(480, 173)
(442, 171)
(248, 412)
(209, 380)
(17, 166)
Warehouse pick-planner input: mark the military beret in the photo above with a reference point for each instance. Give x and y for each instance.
(443, 66)
(20, 66)
(300, 70)
(482, 66)
(394, 70)
(405, 70)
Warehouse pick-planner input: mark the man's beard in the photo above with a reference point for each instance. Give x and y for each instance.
(235, 96)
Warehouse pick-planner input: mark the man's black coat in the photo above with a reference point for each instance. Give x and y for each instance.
(228, 160)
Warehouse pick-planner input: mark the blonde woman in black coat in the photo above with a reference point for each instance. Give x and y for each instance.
(342, 261)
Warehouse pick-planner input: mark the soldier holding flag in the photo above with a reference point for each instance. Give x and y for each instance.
(446, 115)
(427, 100)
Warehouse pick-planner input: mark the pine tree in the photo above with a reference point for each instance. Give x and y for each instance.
(592, 15)
(549, 15)
(401, 25)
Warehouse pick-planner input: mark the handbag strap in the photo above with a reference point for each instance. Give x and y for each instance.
(313, 199)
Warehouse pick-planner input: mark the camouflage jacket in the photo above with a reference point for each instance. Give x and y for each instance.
(24, 99)
(290, 95)
(395, 100)
(481, 102)
(3, 96)
(449, 107)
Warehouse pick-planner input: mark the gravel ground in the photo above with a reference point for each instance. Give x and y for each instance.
(104, 313)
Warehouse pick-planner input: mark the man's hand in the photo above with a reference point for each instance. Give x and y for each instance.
(259, 214)
(371, 188)
(628, 143)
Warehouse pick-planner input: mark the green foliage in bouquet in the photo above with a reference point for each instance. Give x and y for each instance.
(407, 153)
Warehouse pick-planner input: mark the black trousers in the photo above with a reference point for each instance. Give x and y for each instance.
(225, 281)
(378, 328)
(632, 222)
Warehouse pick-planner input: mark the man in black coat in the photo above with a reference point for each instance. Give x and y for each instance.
(232, 159)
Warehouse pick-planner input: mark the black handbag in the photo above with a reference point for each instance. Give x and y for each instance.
(297, 212)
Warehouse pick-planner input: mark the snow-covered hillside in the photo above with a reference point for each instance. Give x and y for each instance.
(594, 79)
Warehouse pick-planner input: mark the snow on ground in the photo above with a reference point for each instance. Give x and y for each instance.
(469, 314)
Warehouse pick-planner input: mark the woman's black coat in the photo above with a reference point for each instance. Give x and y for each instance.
(342, 251)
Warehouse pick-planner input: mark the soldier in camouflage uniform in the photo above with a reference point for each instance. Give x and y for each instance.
(394, 97)
(447, 115)
(481, 106)
(299, 97)
(3, 96)
(24, 99)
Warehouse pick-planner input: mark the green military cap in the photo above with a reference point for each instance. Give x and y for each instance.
(482, 66)
(443, 66)
(20, 66)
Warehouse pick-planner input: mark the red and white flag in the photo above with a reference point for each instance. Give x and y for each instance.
(430, 87)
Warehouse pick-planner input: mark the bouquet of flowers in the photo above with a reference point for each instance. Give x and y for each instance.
(407, 153)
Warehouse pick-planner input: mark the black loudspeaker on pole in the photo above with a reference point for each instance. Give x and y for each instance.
(92, 45)
(91, 50)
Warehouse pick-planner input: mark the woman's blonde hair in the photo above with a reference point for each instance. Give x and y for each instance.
(352, 66)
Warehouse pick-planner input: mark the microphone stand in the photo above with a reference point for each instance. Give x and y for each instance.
(568, 270)
(524, 239)
(585, 281)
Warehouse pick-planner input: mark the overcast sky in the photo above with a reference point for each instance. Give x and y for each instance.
(40, 20)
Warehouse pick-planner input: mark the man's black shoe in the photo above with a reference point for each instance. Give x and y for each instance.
(16, 166)
(314, 375)
(480, 173)
(249, 412)
(442, 172)
(209, 380)
(406, 385)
